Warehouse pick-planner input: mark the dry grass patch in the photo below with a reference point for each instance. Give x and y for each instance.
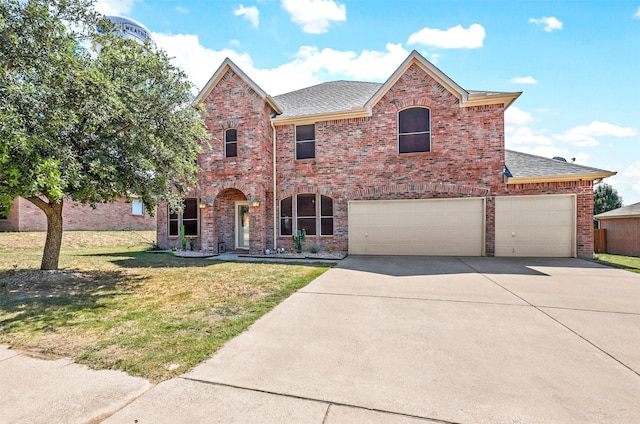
(113, 305)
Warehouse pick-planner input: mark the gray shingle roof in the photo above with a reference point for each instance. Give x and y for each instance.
(328, 97)
(525, 165)
(630, 211)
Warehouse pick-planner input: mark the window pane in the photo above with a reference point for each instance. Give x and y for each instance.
(308, 224)
(410, 143)
(231, 150)
(327, 226)
(286, 208)
(413, 120)
(306, 205)
(173, 228)
(190, 227)
(286, 226)
(190, 209)
(137, 207)
(326, 206)
(286, 216)
(306, 150)
(230, 136)
(305, 132)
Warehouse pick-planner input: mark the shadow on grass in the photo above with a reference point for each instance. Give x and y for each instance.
(44, 300)
(168, 260)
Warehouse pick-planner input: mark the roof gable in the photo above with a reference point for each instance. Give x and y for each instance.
(221, 71)
(466, 98)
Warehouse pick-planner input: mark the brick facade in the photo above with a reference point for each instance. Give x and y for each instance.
(116, 216)
(623, 235)
(355, 159)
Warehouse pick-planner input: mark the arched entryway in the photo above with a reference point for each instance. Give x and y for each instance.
(233, 224)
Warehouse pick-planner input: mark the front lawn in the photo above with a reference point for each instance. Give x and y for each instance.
(114, 306)
(629, 263)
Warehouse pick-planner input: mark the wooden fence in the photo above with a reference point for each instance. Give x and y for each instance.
(600, 240)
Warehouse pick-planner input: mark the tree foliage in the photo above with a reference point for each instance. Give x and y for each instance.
(605, 198)
(89, 123)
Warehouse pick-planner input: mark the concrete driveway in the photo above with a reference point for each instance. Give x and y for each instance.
(425, 339)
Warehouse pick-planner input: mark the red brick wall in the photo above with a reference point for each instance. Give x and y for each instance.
(623, 235)
(358, 159)
(25, 216)
(12, 221)
(233, 104)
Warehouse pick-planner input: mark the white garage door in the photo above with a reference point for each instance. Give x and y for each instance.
(542, 226)
(439, 227)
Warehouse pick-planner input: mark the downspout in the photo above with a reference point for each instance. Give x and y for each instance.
(275, 203)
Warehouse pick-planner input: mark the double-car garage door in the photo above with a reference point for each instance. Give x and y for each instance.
(525, 226)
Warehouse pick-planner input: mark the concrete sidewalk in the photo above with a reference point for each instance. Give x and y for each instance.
(44, 391)
(400, 340)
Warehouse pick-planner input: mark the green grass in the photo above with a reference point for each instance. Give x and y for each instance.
(628, 263)
(112, 305)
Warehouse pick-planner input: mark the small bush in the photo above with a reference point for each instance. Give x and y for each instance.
(314, 248)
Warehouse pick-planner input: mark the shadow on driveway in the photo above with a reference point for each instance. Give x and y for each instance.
(404, 266)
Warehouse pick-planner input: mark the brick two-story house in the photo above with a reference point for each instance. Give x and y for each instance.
(416, 165)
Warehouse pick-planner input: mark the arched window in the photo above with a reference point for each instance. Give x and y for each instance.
(231, 143)
(414, 130)
(286, 216)
(310, 212)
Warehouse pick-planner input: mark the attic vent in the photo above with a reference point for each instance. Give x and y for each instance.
(251, 92)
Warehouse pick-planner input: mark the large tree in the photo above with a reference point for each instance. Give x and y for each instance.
(605, 198)
(87, 115)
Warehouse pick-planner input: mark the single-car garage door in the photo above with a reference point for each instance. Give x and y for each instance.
(542, 226)
(439, 227)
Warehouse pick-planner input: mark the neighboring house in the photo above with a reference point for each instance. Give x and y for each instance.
(623, 230)
(120, 215)
(415, 166)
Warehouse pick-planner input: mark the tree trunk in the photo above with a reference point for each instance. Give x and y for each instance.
(51, 253)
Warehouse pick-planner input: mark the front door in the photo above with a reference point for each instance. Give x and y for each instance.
(242, 225)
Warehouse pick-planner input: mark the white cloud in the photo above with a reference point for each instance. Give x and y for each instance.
(309, 66)
(453, 38)
(315, 16)
(550, 23)
(524, 80)
(250, 14)
(181, 9)
(584, 135)
(515, 116)
(637, 15)
(627, 182)
(114, 7)
(522, 136)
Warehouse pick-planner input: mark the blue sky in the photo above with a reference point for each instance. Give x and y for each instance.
(576, 62)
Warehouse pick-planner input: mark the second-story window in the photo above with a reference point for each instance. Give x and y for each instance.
(305, 141)
(414, 130)
(230, 143)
